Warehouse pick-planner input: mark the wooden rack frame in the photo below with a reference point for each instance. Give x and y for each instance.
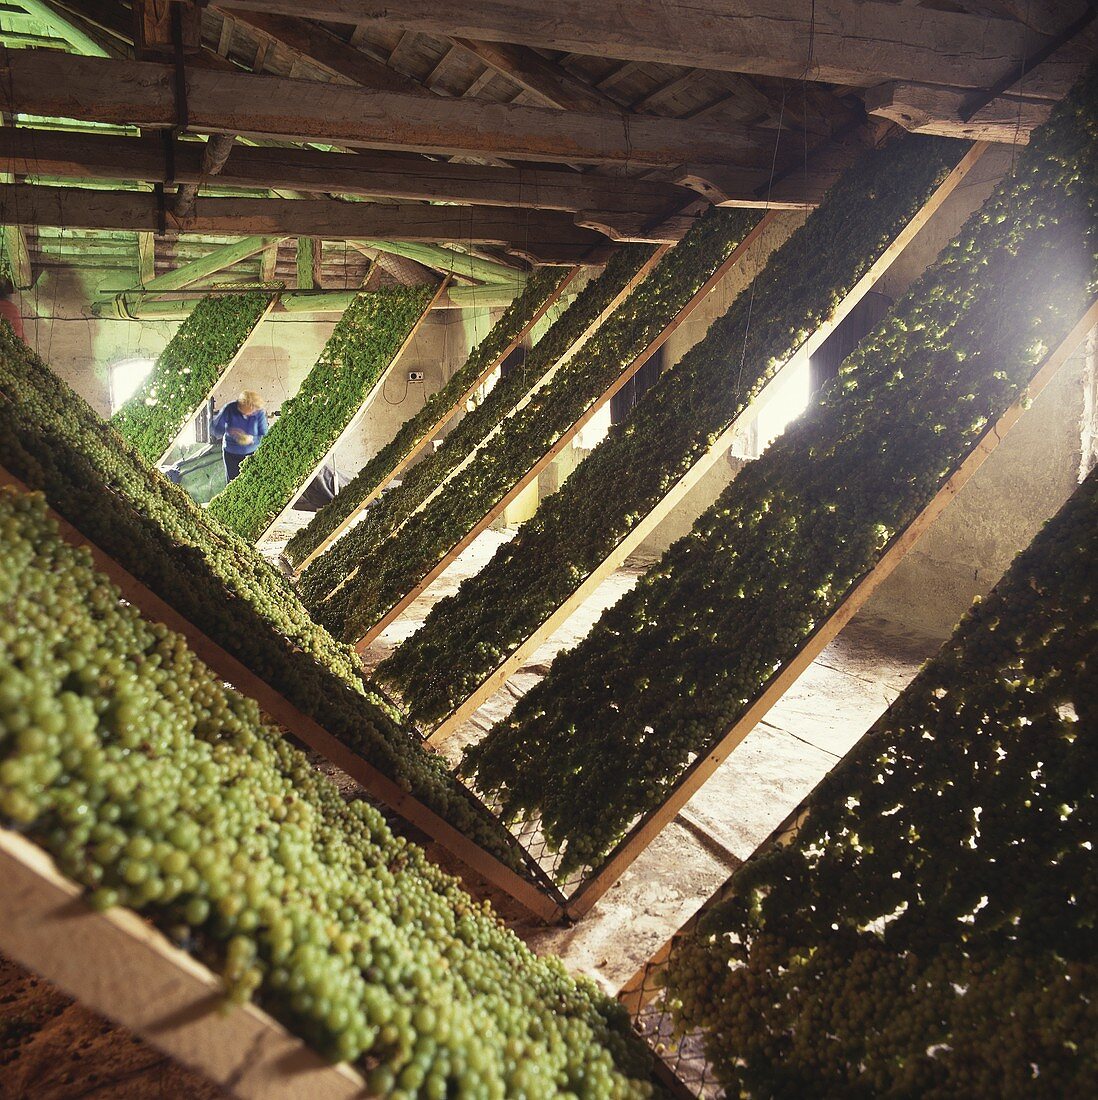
(123, 968)
(645, 270)
(220, 378)
(568, 435)
(645, 830)
(678, 492)
(439, 423)
(306, 729)
(352, 424)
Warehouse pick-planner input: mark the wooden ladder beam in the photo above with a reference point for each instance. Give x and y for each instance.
(573, 430)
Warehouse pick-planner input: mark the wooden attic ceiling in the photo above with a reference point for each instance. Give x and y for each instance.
(792, 131)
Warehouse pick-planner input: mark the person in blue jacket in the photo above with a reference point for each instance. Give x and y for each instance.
(242, 424)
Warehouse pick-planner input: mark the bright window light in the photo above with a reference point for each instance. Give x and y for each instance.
(125, 377)
(788, 399)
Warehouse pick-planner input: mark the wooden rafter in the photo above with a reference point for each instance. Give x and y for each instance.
(30, 152)
(547, 236)
(143, 93)
(843, 42)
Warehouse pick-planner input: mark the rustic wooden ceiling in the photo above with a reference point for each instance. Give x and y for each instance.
(776, 135)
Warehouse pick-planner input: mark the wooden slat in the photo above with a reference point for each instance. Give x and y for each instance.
(840, 42)
(716, 452)
(26, 151)
(438, 425)
(121, 967)
(352, 424)
(532, 474)
(645, 831)
(550, 236)
(217, 382)
(306, 729)
(143, 93)
(146, 257)
(18, 257)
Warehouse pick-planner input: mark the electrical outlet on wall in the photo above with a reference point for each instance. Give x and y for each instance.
(415, 376)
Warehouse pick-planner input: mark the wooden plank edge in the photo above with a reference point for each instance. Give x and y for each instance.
(220, 378)
(435, 428)
(642, 834)
(563, 440)
(507, 668)
(357, 415)
(286, 714)
(122, 967)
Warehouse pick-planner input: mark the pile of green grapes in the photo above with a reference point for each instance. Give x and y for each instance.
(930, 930)
(362, 346)
(669, 670)
(53, 441)
(157, 788)
(187, 369)
(378, 471)
(429, 535)
(431, 474)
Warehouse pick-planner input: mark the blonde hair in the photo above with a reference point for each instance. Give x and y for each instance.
(250, 398)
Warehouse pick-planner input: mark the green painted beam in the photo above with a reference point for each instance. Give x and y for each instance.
(63, 28)
(138, 306)
(446, 259)
(210, 264)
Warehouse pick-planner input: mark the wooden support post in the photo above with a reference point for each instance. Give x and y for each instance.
(645, 830)
(284, 713)
(18, 257)
(120, 966)
(223, 375)
(353, 422)
(438, 425)
(573, 430)
(146, 257)
(716, 452)
(268, 263)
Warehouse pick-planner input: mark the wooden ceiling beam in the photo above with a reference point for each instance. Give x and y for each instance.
(321, 48)
(143, 94)
(25, 151)
(543, 236)
(840, 42)
(928, 109)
